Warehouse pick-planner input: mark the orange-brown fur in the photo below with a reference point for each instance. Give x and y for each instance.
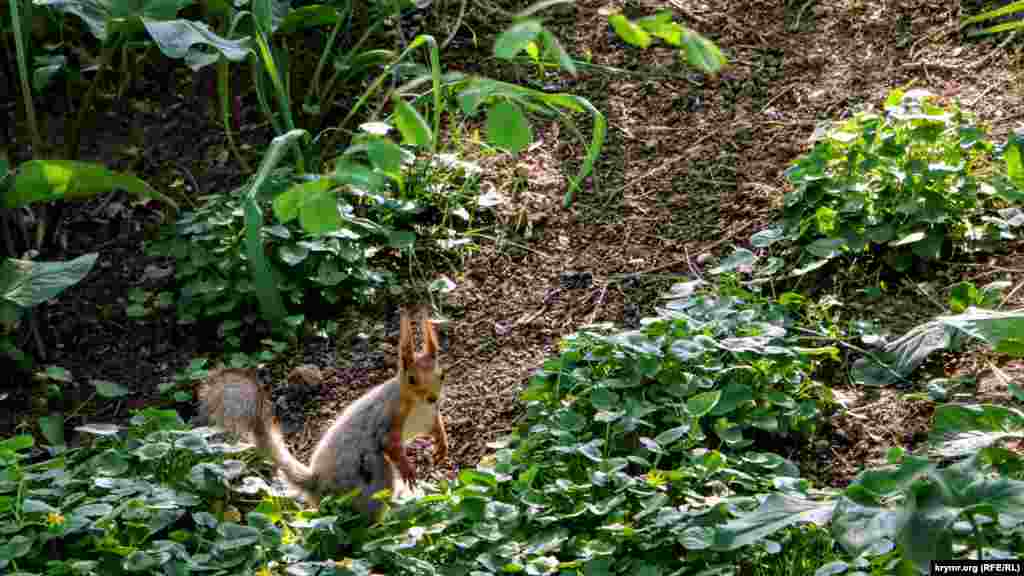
(365, 443)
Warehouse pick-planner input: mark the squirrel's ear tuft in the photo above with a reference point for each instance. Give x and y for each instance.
(430, 337)
(406, 350)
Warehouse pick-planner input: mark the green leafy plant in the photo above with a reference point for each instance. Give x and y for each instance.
(214, 268)
(24, 283)
(903, 184)
(965, 295)
(698, 50)
(894, 360)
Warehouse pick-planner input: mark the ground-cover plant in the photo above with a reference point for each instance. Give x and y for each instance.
(621, 465)
(907, 183)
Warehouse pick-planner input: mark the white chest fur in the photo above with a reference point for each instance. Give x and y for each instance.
(420, 421)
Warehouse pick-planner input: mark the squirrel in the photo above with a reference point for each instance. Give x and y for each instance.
(365, 445)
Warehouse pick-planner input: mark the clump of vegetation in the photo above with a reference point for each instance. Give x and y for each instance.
(908, 183)
(610, 472)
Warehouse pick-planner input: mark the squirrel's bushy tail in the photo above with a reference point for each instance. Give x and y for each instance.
(233, 399)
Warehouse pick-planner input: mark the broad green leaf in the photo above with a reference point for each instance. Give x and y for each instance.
(58, 373)
(733, 395)
(810, 267)
(908, 239)
(703, 403)
(508, 128)
(1014, 162)
(100, 15)
(962, 295)
(826, 247)
(139, 561)
(99, 429)
(776, 512)
(33, 506)
(411, 124)
(152, 451)
(177, 39)
(931, 247)
(291, 202)
(629, 31)
(668, 437)
(662, 26)
(554, 47)
(110, 389)
(292, 254)
(515, 38)
(17, 443)
(48, 180)
(359, 175)
(52, 427)
(28, 283)
(385, 155)
(858, 528)
(739, 257)
(305, 17)
(767, 237)
(702, 53)
(402, 239)
(319, 212)
(19, 545)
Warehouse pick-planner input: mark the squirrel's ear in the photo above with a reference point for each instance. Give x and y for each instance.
(406, 350)
(430, 337)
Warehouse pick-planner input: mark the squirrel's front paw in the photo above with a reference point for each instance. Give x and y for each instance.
(440, 453)
(407, 471)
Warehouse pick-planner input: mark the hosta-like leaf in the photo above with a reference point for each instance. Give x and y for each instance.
(827, 247)
(28, 283)
(52, 427)
(304, 17)
(48, 180)
(702, 53)
(629, 31)
(109, 389)
(177, 39)
(515, 38)
(767, 237)
(411, 124)
(99, 15)
(776, 512)
(858, 528)
(703, 403)
(740, 257)
(508, 128)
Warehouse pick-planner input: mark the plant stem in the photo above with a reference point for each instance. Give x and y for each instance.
(26, 89)
(223, 88)
(87, 101)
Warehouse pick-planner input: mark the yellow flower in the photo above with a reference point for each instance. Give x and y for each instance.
(656, 478)
(346, 563)
(265, 571)
(55, 519)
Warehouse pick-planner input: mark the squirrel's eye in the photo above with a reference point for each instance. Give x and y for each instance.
(412, 380)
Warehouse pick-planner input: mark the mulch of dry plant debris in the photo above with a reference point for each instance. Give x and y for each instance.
(692, 165)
